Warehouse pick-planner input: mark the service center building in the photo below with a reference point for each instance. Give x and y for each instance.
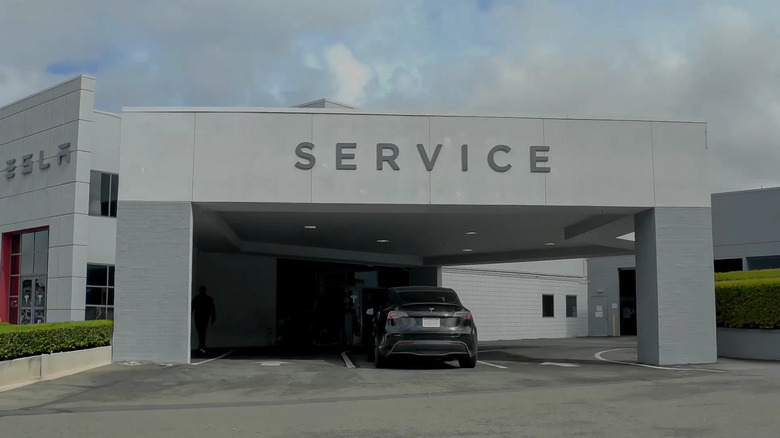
(265, 206)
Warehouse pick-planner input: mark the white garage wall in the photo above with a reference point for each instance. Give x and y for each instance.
(244, 292)
(506, 299)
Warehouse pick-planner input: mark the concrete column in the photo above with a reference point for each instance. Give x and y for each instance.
(425, 276)
(675, 286)
(153, 282)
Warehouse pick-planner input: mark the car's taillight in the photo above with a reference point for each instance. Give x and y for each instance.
(395, 314)
(464, 315)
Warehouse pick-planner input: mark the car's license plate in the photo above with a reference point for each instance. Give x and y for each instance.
(431, 322)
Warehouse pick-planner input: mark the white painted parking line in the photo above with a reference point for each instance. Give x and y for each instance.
(600, 357)
(212, 359)
(272, 363)
(347, 361)
(491, 364)
(560, 364)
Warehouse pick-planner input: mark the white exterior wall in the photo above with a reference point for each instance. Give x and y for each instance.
(675, 287)
(506, 299)
(56, 197)
(202, 155)
(587, 156)
(105, 158)
(106, 139)
(155, 261)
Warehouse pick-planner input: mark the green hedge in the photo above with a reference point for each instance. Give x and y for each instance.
(31, 340)
(753, 303)
(747, 275)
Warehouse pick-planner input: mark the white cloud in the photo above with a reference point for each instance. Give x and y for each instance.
(351, 76)
(694, 60)
(310, 60)
(14, 85)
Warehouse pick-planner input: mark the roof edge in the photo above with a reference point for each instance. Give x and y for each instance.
(365, 112)
(737, 192)
(118, 116)
(323, 101)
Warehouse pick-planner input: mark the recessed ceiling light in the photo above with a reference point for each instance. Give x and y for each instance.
(468, 250)
(310, 227)
(471, 233)
(550, 244)
(382, 241)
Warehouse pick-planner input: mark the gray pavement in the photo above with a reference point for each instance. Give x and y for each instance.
(544, 388)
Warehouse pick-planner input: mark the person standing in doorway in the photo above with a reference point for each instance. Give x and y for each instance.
(347, 330)
(204, 311)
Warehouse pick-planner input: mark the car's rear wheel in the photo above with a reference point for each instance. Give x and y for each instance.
(379, 360)
(468, 362)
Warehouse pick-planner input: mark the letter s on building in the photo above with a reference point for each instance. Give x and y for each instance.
(300, 152)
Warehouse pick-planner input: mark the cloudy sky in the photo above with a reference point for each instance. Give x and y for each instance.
(713, 61)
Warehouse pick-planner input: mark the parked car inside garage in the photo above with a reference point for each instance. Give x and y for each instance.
(426, 322)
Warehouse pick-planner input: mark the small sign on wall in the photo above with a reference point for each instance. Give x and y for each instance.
(599, 314)
(599, 309)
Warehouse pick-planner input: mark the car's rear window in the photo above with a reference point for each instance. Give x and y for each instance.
(428, 296)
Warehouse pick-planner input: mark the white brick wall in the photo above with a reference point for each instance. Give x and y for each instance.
(675, 286)
(507, 305)
(153, 282)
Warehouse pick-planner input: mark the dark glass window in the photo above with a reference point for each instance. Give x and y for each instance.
(763, 262)
(29, 271)
(100, 292)
(548, 304)
(728, 265)
(571, 306)
(42, 241)
(103, 193)
(28, 242)
(97, 275)
(416, 296)
(28, 261)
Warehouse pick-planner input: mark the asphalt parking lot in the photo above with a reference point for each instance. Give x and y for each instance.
(566, 387)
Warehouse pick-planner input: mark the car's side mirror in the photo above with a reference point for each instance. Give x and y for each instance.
(370, 312)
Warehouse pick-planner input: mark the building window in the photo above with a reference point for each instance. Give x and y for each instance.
(763, 262)
(728, 265)
(103, 193)
(28, 275)
(571, 306)
(547, 306)
(100, 292)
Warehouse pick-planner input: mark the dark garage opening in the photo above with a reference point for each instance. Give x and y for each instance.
(323, 305)
(627, 279)
(728, 265)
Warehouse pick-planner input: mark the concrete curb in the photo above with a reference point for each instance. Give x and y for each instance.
(27, 370)
(754, 344)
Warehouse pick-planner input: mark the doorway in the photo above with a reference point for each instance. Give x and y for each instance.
(627, 302)
(324, 305)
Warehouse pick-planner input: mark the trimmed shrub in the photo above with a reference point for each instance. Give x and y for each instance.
(747, 275)
(31, 340)
(751, 303)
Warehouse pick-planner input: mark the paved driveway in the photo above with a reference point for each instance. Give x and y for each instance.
(569, 387)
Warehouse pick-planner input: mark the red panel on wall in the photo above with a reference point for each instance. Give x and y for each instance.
(5, 278)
